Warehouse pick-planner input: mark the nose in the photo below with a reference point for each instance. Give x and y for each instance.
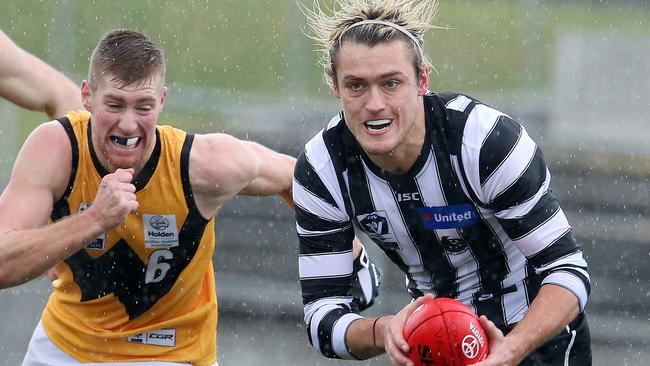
(375, 100)
(128, 124)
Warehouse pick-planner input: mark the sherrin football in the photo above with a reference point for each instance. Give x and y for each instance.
(445, 332)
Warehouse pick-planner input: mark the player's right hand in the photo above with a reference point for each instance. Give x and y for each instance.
(115, 199)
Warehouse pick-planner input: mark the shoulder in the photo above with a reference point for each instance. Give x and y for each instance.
(45, 158)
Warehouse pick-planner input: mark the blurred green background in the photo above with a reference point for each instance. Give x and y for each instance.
(259, 46)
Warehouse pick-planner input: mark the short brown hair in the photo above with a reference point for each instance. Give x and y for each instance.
(127, 56)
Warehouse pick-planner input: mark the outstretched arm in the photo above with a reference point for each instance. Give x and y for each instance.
(222, 166)
(31, 83)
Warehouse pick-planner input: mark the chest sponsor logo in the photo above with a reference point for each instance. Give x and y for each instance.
(161, 337)
(99, 241)
(448, 217)
(403, 197)
(377, 227)
(160, 231)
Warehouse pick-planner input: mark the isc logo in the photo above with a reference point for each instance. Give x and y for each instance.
(402, 197)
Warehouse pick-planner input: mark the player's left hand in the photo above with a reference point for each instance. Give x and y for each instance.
(393, 336)
(500, 353)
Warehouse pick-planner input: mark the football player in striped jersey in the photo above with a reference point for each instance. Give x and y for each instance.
(454, 192)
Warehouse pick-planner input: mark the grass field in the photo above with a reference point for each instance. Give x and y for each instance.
(258, 45)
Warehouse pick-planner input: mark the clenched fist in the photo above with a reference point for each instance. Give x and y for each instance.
(115, 199)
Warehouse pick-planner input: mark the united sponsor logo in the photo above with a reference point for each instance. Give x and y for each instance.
(160, 231)
(448, 217)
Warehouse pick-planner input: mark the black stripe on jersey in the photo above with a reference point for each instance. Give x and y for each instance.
(307, 177)
(317, 288)
(311, 222)
(60, 208)
(532, 283)
(525, 187)
(498, 145)
(544, 209)
(563, 246)
(143, 177)
(325, 331)
(327, 243)
(120, 271)
(453, 121)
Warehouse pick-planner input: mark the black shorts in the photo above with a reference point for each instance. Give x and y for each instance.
(571, 347)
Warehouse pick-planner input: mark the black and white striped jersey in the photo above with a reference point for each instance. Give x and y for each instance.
(473, 219)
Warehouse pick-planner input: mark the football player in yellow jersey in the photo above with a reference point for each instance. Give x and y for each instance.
(132, 206)
(125, 210)
(31, 83)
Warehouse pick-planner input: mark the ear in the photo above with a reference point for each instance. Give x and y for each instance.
(163, 97)
(86, 95)
(423, 81)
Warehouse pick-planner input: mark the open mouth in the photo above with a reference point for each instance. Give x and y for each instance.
(125, 142)
(378, 125)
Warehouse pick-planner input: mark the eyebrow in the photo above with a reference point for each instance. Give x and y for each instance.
(382, 76)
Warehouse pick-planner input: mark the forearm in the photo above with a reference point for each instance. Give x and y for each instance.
(275, 173)
(365, 337)
(26, 254)
(553, 308)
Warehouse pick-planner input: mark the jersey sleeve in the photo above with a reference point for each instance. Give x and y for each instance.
(326, 259)
(507, 174)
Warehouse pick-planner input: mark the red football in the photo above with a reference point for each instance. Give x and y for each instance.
(445, 332)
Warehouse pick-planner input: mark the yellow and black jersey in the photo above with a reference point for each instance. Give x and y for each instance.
(145, 289)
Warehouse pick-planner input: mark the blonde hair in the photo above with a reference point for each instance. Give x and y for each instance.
(330, 28)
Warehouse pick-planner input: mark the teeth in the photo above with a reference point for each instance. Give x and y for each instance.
(124, 141)
(378, 124)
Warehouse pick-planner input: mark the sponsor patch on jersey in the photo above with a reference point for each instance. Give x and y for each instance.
(448, 217)
(161, 337)
(377, 227)
(160, 231)
(99, 241)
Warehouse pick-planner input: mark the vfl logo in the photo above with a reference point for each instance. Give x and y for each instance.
(377, 226)
(448, 217)
(159, 222)
(426, 356)
(453, 245)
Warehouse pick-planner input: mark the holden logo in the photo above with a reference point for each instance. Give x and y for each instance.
(470, 346)
(159, 222)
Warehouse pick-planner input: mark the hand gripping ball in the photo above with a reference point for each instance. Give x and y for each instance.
(445, 332)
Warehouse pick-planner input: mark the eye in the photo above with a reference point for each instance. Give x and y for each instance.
(113, 105)
(355, 86)
(144, 108)
(392, 84)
